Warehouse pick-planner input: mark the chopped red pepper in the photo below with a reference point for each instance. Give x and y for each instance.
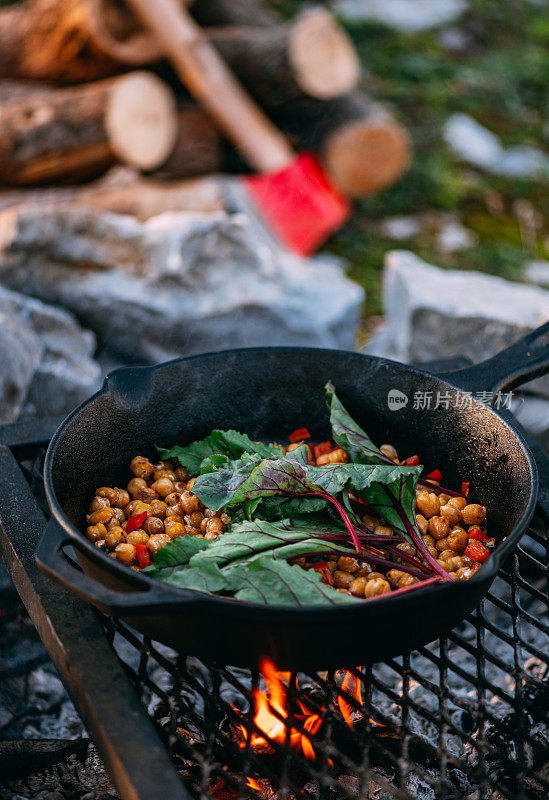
(435, 475)
(465, 488)
(477, 551)
(412, 461)
(300, 433)
(477, 534)
(323, 448)
(322, 568)
(143, 556)
(135, 522)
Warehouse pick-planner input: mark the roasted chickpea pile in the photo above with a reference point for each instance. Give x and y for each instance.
(156, 506)
(452, 529)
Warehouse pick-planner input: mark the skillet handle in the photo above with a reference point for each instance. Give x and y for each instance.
(144, 598)
(521, 362)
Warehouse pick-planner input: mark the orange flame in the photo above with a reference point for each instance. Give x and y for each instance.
(253, 784)
(353, 686)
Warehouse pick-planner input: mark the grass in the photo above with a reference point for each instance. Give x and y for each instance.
(501, 78)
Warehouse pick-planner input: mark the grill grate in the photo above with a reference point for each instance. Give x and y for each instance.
(464, 717)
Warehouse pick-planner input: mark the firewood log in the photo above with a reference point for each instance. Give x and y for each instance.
(311, 56)
(131, 194)
(73, 133)
(361, 146)
(233, 12)
(198, 148)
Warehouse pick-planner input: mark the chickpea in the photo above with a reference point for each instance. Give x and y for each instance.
(174, 529)
(146, 495)
(452, 514)
(337, 456)
(442, 545)
(427, 504)
(153, 525)
(422, 524)
(389, 451)
(428, 541)
(190, 531)
(98, 503)
(454, 563)
(189, 502)
(457, 539)
(364, 572)
(443, 498)
(376, 587)
(141, 467)
(342, 580)
(181, 474)
(137, 537)
(433, 551)
(383, 530)
(115, 523)
(407, 580)
(158, 508)
(162, 472)
(118, 514)
(393, 576)
(196, 518)
(457, 502)
(106, 491)
(139, 507)
(174, 511)
(135, 486)
(173, 499)
(164, 487)
(125, 553)
(225, 519)
(473, 514)
(213, 525)
(464, 573)
(369, 521)
(209, 513)
(348, 564)
(114, 537)
(332, 565)
(100, 544)
(374, 576)
(122, 498)
(211, 535)
(446, 554)
(438, 527)
(357, 587)
(96, 532)
(157, 541)
(190, 484)
(204, 523)
(442, 563)
(129, 510)
(406, 547)
(103, 515)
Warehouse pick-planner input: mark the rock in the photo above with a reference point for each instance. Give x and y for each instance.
(401, 228)
(49, 368)
(537, 272)
(179, 283)
(454, 236)
(402, 15)
(475, 144)
(434, 313)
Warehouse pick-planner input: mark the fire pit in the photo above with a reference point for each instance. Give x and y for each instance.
(464, 717)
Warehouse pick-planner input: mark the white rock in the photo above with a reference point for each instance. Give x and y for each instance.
(179, 283)
(50, 369)
(537, 272)
(474, 143)
(401, 228)
(403, 15)
(454, 236)
(433, 313)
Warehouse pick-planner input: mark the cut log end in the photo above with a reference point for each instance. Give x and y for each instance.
(322, 56)
(366, 157)
(141, 120)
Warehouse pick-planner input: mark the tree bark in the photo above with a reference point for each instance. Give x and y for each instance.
(360, 145)
(198, 149)
(73, 133)
(233, 12)
(310, 56)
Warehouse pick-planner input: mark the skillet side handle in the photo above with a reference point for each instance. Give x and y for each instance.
(51, 560)
(521, 362)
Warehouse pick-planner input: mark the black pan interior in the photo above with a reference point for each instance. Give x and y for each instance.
(269, 393)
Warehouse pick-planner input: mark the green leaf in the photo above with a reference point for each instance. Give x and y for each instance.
(228, 443)
(178, 551)
(206, 578)
(274, 508)
(349, 435)
(271, 582)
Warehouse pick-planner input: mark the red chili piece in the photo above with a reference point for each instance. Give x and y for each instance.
(477, 534)
(477, 551)
(299, 434)
(412, 461)
(135, 522)
(322, 568)
(143, 556)
(435, 475)
(465, 488)
(323, 448)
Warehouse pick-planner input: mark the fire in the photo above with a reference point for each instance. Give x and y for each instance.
(272, 724)
(253, 784)
(353, 687)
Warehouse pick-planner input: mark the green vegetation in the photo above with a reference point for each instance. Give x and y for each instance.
(500, 76)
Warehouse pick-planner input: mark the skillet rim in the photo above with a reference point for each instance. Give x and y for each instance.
(485, 574)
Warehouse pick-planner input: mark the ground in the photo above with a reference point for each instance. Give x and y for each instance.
(500, 76)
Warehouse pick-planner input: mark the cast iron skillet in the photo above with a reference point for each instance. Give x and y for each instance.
(268, 392)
